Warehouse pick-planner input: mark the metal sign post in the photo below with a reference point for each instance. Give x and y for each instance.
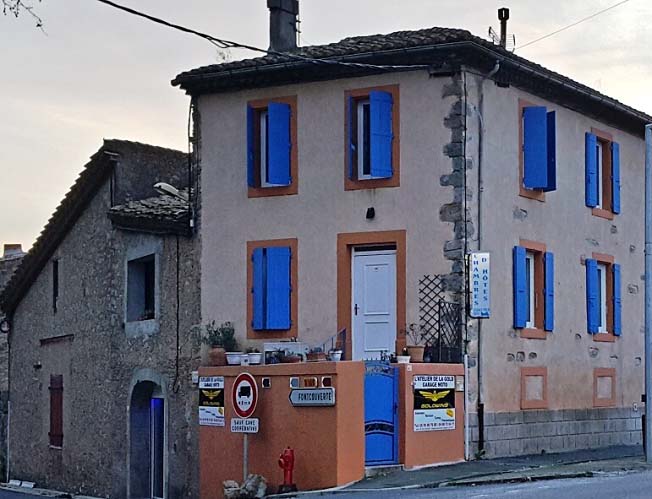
(244, 397)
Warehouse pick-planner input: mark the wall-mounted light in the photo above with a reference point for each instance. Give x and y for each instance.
(371, 213)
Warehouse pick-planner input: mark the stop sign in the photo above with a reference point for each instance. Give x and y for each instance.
(244, 395)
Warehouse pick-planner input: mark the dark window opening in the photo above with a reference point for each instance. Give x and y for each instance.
(55, 285)
(141, 291)
(56, 410)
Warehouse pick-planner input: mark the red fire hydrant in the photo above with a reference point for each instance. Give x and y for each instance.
(286, 462)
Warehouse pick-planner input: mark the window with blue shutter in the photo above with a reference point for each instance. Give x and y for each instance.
(520, 288)
(615, 177)
(617, 318)
(591, 169)
(539, 149)
(593, 311)
(549, 291)
(271, 134)
(271, 288)
(372, 126)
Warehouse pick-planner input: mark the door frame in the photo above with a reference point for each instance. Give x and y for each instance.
(346, 242)
(360, 251)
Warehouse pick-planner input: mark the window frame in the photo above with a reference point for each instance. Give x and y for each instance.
(272, 334)
(361, 94)
(606, 262)
(535, 329)
(535, 194)
(145, 260)
(260, 190)
(604, 209)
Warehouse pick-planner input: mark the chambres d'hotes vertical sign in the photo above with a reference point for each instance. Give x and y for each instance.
(480, 285)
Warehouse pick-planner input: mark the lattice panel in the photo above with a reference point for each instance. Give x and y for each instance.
(440, 322)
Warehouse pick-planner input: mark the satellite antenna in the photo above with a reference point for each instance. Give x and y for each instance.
(493, 36)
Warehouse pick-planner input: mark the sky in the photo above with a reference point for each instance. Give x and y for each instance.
(96, 72)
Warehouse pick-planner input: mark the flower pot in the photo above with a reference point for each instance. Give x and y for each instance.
(403, 359)
(233, 358)
(255, 358)
(315, 356)
(291, 359)
(216, 356)
(335, 355)
(416, 353)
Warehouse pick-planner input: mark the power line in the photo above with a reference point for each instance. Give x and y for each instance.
(571, 25)
(222, 43)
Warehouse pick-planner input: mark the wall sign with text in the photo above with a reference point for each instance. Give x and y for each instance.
(480, 285)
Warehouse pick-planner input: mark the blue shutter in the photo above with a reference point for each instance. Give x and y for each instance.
(351, 110)
(592, 304)
(535, 147)
(278, 288)
(549, 291)
(617, 301)
(258, 289)
(591, 168)
(380, 104)
(551, 137)
(615, 177)
(520, 289)
(278, 172)
(251, 147)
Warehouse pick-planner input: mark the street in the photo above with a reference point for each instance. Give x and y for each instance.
(623, 486)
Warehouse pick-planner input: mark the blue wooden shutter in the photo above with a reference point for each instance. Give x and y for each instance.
(520, 288)
(592, 304)
(278, 172)
(549, 291)
(258, 290)
(591, 168)
(615, 177)
(535, 147)
(617, 300)
(278, 288)
(351, 110)
(551, 138)
(381, 104)
(251, 147)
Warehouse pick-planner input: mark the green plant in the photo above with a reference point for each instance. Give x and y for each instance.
(252, 350)
(221, 336)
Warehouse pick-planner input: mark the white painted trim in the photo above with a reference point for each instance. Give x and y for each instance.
(529, 262)
(360, 149)
(602, 278)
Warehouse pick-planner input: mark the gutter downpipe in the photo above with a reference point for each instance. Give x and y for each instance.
(648, 294)
(480, 406)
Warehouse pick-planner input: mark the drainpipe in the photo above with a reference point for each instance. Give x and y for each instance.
(648, 294)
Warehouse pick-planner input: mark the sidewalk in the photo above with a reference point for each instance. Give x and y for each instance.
(534, 467)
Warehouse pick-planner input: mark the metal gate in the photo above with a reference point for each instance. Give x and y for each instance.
(380, 413)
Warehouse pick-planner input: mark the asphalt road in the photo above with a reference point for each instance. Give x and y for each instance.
(621, 486)
(7, 494)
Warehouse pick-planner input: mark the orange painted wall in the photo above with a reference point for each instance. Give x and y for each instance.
(428, 447)
(328, 441)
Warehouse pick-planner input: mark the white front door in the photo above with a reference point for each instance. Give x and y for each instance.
(373, 309)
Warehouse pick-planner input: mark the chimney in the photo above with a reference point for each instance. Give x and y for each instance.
(283, 25)
(13, 251)
(503, 16)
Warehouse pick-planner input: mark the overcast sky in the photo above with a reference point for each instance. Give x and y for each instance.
(101, 73)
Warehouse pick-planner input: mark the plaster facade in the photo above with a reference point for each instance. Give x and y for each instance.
(86, 342)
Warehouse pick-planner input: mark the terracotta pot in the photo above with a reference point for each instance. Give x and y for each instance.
(217, 356)
(291, 359)
(315, 356)
(416, 353)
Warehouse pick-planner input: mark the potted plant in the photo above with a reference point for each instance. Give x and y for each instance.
(220, 339)
(416, 340)
(316, 354)
(404, 357)
(255, 357)
(335, 355)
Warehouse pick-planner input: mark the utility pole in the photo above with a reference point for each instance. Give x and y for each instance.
(648, 293)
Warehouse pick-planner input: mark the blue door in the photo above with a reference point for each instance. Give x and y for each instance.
(380, 413)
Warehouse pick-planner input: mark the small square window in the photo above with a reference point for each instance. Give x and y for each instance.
(141, 289)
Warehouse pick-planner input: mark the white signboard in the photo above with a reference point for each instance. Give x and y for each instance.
(480, 285)
(434, 402)
(211, 401)
(313, 397)
(244, 425)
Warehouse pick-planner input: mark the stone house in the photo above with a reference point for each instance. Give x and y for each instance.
(343, 183)
(102, 344)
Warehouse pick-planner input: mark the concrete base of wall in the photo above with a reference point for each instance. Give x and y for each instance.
(533, 432)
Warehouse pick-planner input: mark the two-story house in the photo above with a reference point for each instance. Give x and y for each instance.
(102, 346)
(341, 183)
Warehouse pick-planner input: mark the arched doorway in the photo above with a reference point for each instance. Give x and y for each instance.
(147, 449)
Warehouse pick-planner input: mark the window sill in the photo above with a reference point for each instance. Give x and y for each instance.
(376, 183)
(602, 213)
(56, 447)
(604, 337)
(532, 194)
(263, 192)
(138, 329)
(533, 334)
